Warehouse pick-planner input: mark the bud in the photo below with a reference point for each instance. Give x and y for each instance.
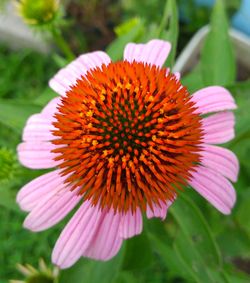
(41, 275)
(38, 12)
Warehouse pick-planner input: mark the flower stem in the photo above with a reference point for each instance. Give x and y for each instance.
(62, 44)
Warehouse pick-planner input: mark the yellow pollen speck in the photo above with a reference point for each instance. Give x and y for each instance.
(94, 142)
(102, 97)
(89, 125)
(105, 152)
(136, 89)
(151, 148)
(161, 133)
(151, 98)
(80, 114)
(89, 113)
(124, 159)
(111, 160)
(128, 86)
(119, 85)
(88, 139)
(161, 110)
(142, 157)
(160, 120)
(154, 137)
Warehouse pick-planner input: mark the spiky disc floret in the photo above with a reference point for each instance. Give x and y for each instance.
(127, 135)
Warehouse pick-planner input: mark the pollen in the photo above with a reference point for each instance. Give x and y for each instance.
(127, 136)
(89, 113)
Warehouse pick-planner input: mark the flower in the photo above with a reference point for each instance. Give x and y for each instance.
(39, 12)
(43, 274)
(123, 138)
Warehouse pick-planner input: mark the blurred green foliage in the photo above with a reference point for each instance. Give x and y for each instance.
(195, 243)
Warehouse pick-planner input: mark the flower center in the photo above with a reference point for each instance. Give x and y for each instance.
(127, 135)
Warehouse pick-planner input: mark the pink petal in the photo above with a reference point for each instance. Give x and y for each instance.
(52, 209)
(218, 128)
(215, 188)
(51, 108)
(154, 52)
(158, 211)
(68, 76)
(213, 99)
(38, 189)
(221, 160)
(77, 235)
(177, 75)
(37, 154)
(131, 224)
(38, 128)
(106, 242)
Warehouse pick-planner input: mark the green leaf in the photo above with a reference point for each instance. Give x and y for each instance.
(243, 212)
(7, 197)
(193, 258)
(241, 92)
(116, 48)
(193, 253)
(195, 244)
(89, 271)
(236, 277)
(138, 252)
(217, 57)
(193, 80)
(127, 26)
(241, 143)
(126, 277)
(14, 114)
(169, 28)
(235, 242)
(47, 95)
(195, 227)
(163, 244)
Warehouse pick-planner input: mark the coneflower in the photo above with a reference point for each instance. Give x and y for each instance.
(124, 138)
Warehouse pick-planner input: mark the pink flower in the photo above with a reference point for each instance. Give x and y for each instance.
(123, 138)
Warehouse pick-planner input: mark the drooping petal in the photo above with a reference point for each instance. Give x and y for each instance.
(221, 160)
(213, 99)
(50, 109)
(158, 211)
(37, 154)
(106, 242)
(52, 209)
(154, 52)
(68, 76)
(77, 235)
(38, 128)
(215, 188)
(131, 224)
(177, 75)
(218, 128)
(32, 193)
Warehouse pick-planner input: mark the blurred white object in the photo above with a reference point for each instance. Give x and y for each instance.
(15, 33)
(190, 55)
